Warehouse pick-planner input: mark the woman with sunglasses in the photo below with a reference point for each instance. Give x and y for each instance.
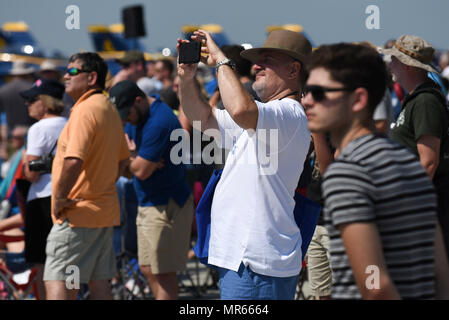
(44, 101)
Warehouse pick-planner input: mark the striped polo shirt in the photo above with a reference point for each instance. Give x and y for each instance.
(378, 181)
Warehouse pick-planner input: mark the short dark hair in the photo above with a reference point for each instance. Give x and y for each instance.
(303, 73)
(242, 66)
(91, 61)
(354, 66)
(168, 65)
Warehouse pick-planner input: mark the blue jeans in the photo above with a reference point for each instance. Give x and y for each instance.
(248, 285)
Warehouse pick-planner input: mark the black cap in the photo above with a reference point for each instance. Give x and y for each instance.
(52, 88)
(123, 95)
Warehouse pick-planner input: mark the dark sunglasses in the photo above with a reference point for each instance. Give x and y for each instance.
(319, 93)
(75, 71)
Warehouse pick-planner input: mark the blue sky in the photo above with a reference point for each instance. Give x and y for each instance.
(325, 21)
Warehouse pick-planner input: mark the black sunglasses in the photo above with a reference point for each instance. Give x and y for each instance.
(75, 71)
(319, 93)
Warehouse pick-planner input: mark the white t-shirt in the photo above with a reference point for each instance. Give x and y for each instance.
(252, 210)
(42, 137)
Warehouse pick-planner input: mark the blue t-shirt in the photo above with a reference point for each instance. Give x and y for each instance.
(152, 139)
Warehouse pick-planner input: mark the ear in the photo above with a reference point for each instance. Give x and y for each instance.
(294, 71)
(92, 78)
(138, 100)
(360, 100)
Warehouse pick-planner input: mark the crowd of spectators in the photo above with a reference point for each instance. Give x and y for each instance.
(362, 131)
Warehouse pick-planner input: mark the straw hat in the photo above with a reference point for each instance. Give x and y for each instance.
(19, 68)
(413, 51)
(292, 43)
(47, 65)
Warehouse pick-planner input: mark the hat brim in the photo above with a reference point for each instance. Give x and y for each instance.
(253, 54)
(407, 60)
(50, 69)
(30, 93)
(121, 61)
(124, 112)
(22, 72)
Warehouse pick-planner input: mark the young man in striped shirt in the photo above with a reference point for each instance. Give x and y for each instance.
(380, 205)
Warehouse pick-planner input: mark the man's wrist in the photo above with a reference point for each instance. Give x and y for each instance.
(221, 56)
(133, 154)
(131, 160)
(225, 62)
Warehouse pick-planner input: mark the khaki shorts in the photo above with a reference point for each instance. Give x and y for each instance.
(163, 236)
(87, 250)
(318, 263)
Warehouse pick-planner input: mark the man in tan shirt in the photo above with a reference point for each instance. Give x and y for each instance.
(91, 154)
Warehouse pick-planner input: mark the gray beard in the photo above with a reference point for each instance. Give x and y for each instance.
(259, 89)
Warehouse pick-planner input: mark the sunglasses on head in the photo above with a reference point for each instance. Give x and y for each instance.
(75, 71)
(319, 93)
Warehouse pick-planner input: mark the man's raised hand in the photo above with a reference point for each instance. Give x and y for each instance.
(211, 50)
(185, 71)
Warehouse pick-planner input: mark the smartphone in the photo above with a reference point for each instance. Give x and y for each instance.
(189, 52)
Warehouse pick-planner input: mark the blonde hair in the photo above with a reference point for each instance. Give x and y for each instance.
(53, 105)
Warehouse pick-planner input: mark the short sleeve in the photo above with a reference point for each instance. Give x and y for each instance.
(428, 117)
(155, 141)
(348, 192)
(35, 142)
(124, 151)
(229, 129)
(285, 118)
(81, 130)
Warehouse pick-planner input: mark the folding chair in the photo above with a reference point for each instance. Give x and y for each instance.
(17, 278)
(130, 283)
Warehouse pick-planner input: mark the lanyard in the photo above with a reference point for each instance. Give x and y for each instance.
(289, 94)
